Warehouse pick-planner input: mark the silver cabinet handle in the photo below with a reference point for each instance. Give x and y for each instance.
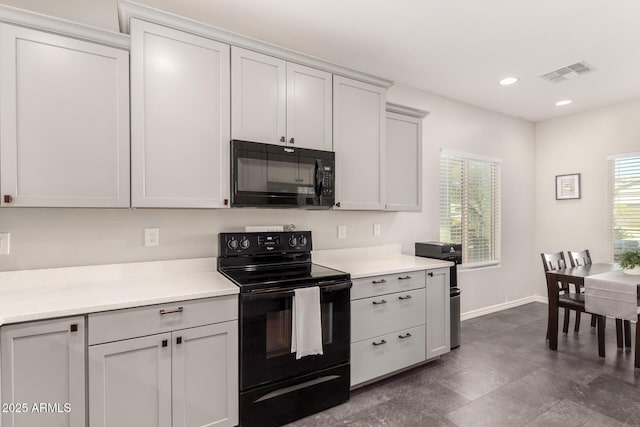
(377, 282)
(177, 310)
(405, 297)
(379, 343)
(407, 335)
(379, 302)
(404, 278)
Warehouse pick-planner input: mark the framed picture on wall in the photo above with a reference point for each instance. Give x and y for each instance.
(568, 186)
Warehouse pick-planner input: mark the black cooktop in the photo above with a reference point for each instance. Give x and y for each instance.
(283, 276)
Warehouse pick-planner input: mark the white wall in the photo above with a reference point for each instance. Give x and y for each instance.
(580, 143)
(43, 238)
(460, 127)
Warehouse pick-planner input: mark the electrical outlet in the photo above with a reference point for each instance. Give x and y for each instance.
(342, 232)
(151, 236)
(376, 229)
(4, 243)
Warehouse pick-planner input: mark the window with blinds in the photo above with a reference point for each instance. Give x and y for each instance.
(624, 203)
(470, 206)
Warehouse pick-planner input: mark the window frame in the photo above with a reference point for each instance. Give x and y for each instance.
(611, 196)
(495, 180)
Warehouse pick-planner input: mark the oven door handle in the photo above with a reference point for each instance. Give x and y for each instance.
(275, 294)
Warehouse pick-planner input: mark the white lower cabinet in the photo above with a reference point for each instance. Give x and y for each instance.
(438, 313)
(398, 320)
(182, 378)
(43, 373)
(384, 354)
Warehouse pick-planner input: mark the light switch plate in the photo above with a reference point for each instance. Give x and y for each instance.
(342, 232)
(151, 236)
(5, 240)
(376, 229)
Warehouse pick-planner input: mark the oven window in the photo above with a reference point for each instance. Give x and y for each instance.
(278, 325)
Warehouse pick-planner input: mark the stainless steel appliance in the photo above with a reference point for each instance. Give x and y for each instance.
(275, 387)
(266, 175)
(448, 252)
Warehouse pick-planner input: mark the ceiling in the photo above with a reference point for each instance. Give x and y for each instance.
(456, 48)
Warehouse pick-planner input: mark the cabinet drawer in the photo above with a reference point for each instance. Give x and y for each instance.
(154, 319)
(382, 355)
(380, 315)
(380, 285)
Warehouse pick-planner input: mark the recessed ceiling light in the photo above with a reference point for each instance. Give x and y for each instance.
(508, 81)
(563, 102)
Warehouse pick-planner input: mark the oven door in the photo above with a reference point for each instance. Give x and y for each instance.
(265, 335)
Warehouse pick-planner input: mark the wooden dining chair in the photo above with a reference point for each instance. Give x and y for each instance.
(578, 258)
(568, 301)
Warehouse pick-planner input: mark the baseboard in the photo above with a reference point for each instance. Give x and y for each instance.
(502, 306)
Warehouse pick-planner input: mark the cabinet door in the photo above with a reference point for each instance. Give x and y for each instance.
(180, 118)
(130, 383)
(43, 362)
(205, 376)
(359, 143)
(438, 309)
(309, 106)
(404, 162)
(258, 97)
(64, 121)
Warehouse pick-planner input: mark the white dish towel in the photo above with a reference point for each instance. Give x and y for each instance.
(306, 325)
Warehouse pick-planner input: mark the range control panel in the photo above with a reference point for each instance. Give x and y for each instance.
(264, 242)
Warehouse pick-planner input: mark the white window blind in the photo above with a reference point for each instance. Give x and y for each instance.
(624, 203)
(470, 206)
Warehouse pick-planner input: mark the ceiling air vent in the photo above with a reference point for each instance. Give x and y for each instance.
(570, 71)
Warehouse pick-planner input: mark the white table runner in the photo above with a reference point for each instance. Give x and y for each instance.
(612, 294)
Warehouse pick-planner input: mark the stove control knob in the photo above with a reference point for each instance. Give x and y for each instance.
(232, 244)
(293, 241)
(245, 243)
(302, 240)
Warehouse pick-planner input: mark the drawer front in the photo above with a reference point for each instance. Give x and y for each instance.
(154, 319)
(380, 285)
(371, 317)
(382, 355)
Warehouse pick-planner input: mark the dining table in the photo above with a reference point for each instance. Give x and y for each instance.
(607, 293)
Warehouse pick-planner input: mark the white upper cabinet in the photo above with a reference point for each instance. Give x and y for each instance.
(404, 161)
(258, 97)
(64, 121)
(309, 106)
(359, 144)
(279, 102)
(180, 118)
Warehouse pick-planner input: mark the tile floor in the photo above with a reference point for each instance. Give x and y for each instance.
(504, 375)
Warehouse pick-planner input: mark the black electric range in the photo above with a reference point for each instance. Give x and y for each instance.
(275, 387)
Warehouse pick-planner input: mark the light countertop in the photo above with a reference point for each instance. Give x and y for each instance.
(41, 294)
(374, 261)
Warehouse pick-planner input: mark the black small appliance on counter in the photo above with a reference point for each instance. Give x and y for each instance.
(447, 252)
(275, 387)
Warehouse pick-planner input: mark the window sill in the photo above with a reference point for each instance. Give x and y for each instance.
(477, 265)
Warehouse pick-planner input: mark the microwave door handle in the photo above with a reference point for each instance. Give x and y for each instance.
(319, 177)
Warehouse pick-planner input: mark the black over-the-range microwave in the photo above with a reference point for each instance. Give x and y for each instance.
(276, 176)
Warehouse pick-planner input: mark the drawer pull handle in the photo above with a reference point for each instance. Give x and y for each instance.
(379, 302)
(73, 327)
(430, 274)
(377, 282)
(404, 278)
(405, 297)
(165, 343)
(179, 340)
(379, 343)
(407, 335)
(177, 310)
